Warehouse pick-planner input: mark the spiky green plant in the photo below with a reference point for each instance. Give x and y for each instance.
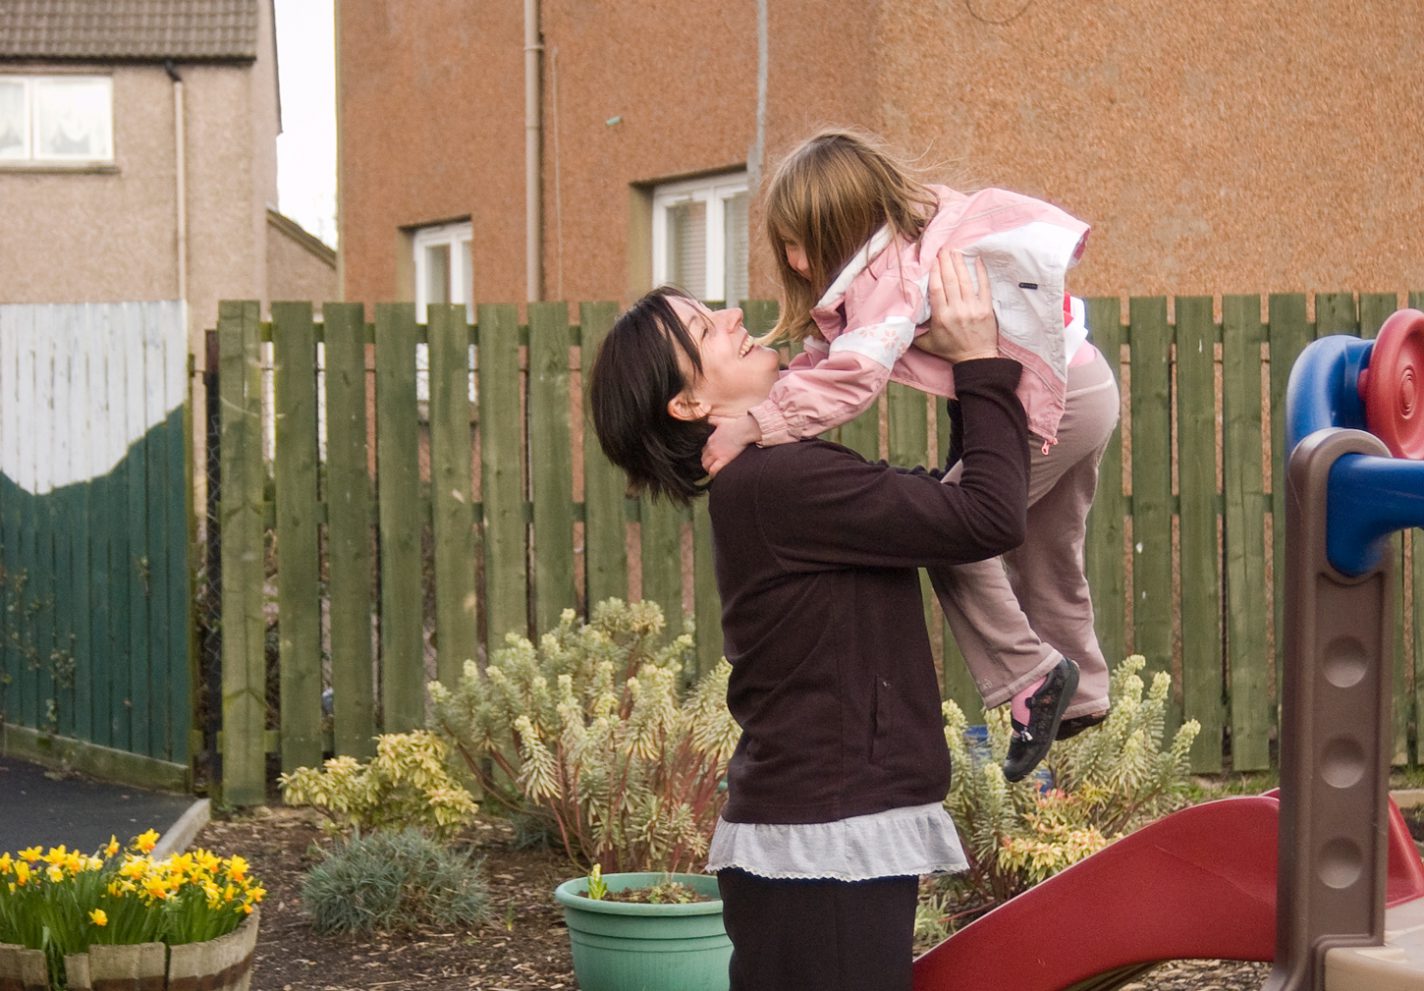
(394, 881)
(1105, 783)
(591, 731)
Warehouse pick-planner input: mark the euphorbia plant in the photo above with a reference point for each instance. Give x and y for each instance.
(591, 731)
(1105, 783)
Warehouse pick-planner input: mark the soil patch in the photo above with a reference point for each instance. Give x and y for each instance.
(522, 947)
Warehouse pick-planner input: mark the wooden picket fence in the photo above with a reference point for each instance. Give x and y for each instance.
(523, 517)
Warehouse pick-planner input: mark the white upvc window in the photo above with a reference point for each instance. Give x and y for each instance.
(700, 236)
(56, 119)
(443, 273)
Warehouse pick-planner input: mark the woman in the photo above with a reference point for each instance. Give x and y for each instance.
(835, 789)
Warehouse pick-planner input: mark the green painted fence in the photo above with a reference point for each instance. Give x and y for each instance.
(489, 515)
(95, 591)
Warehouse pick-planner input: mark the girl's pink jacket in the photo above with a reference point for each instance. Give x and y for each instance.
(873, 310)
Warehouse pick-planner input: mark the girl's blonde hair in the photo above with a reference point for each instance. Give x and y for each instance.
(830, 195)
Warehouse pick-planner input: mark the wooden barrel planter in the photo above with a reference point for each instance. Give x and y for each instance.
(22, 969)
(222, 964)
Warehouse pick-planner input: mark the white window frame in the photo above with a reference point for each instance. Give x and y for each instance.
(453, 236)
(714, 191)
(31, 156)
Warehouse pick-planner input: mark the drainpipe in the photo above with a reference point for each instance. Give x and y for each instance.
(533, 242)
(180, 180)
(759, 142)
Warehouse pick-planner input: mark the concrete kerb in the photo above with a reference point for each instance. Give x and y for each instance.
(182, 833)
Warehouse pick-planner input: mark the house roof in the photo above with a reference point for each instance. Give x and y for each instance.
(129, 30)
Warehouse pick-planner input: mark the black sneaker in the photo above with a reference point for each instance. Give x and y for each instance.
(1029, 744)
(1074, 725)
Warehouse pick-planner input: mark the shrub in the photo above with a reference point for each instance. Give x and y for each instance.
(590, 732)
(406, 785)
(1106, 783)
(390, 881)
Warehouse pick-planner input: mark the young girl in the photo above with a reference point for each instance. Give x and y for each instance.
(855, 235)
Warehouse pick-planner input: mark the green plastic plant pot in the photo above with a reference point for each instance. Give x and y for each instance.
(626, 946)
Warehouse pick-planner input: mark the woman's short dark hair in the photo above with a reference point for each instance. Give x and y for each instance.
(634, 377)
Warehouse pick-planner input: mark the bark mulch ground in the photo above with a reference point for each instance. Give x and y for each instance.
(522, 947)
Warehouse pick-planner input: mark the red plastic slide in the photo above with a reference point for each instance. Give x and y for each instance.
(1200, 883)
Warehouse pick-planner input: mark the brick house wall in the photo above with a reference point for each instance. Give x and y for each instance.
(1247, 147)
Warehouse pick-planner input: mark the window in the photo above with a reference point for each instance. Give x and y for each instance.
(56, 119)
(443, 274)
(700, 236)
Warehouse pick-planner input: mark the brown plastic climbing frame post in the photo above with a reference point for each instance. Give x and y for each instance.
(1334, 731)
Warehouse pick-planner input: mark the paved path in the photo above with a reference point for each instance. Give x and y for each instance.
(41, 806)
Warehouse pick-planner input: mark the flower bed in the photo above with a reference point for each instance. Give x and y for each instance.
(75, 920)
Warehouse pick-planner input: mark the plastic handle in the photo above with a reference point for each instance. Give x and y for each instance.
(1323, 389)
(1368, 499)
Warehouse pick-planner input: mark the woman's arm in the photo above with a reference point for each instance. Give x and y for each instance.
(822, 506)
(885, 517)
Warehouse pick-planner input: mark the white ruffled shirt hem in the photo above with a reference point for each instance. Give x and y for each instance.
(912, 841)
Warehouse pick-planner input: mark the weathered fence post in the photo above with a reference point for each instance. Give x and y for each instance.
(348, 530)
(451, 496)
(551, 462)
(244, 683)
(299, 574)
(398, 485)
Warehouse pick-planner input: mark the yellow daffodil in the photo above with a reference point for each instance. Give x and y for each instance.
(199, 884)
(182, 865)
(146, 841)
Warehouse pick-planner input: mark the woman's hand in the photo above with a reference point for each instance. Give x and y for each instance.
(733, 435)
(962, 321)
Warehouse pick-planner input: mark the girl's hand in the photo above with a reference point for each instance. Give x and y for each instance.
(734, 434)
(962, 321)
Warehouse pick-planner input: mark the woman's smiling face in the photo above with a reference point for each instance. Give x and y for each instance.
(737, 373)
